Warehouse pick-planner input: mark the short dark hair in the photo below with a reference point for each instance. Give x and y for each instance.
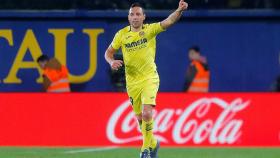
(137, 4)
(195, 48)
(43, 58)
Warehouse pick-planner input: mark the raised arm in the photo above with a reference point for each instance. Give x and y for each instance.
(109, 57)
(175, 16)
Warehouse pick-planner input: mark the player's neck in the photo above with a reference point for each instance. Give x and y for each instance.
(133, 29)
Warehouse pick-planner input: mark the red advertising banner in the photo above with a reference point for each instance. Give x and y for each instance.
(102, 119)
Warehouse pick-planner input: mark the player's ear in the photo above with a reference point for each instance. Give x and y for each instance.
(144, 16)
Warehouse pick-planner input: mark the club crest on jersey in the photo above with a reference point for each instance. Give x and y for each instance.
(141, 34)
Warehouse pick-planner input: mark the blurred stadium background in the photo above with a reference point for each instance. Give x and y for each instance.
(238, 118)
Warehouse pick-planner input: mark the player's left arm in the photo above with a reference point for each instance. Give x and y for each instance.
(175, 16)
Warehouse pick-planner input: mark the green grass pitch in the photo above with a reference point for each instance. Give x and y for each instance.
(51, 152)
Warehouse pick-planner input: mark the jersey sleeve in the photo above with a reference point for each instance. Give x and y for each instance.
(156, 28)
(116, 43)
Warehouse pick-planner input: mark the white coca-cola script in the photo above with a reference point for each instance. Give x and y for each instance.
(190, 123)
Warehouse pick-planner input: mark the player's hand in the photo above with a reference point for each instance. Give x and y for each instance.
(182, 5)
(116, 64)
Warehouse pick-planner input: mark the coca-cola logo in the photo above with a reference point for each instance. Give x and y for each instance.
(183, 125)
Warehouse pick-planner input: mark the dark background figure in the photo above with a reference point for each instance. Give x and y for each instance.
(276, 85)
(118, 76)
(197, 75)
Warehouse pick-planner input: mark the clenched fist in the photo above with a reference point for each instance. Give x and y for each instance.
(182, 5)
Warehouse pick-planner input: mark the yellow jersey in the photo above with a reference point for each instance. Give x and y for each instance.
(139, 49)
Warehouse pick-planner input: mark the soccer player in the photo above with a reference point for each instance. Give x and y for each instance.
(138, 44)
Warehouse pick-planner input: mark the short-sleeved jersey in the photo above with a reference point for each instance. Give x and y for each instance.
(139, 49)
